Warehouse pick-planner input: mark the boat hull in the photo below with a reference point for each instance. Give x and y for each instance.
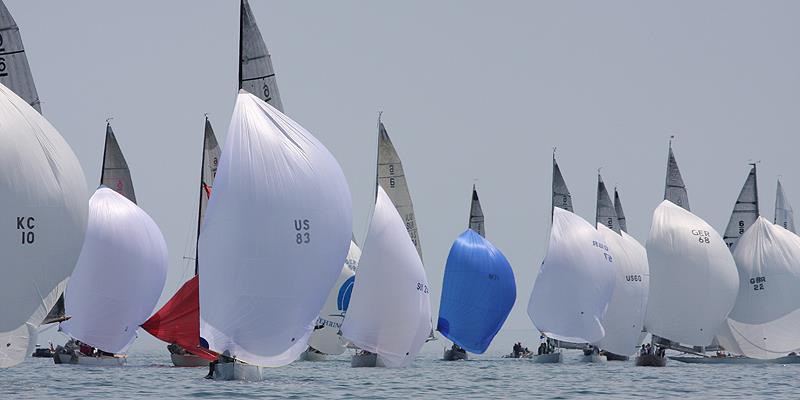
(736, 360)
(594, 358)
(552, 358)
(236, 371)
(312, 356)
(616, 357)
(366, 361)
(651, 360)
(104, 361)
(450, 355)
(188, 360)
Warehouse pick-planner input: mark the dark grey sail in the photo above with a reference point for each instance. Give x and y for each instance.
(784, 214)
(476, 214)
(745, 210)
(208, 171)
(561, 196)
(606, 214)
(116, 174)
(623, 226)
(15, 73)
(256, 74)
(675, 189)
(392, 179)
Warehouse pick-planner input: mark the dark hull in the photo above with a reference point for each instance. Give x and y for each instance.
(651, 360)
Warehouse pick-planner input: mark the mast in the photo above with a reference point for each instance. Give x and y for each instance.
(241, 25)
(105, 150)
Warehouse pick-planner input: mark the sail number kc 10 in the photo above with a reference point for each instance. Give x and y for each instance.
(25, 225)
(303, 228)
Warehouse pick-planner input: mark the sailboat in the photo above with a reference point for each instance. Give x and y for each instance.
(265, 271)
(389, 316)
(575, 282)
(478, 290)
(624, 318)
(44, 190)
(120, 273)
(784, 214)
(16, 72)
(693, 279)
(178, 321)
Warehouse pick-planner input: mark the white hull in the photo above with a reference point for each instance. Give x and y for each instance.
(188, 360)
(594, 358)
(312, 356)
(450, 355)
(552, 358)
(736, 360)
(366, 361)
(237, 371)
(104, 361)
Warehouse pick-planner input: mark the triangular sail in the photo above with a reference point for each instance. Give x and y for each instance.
(476, 214)
(674, 188)
(784, 214)
(623, 224)
(211, 153)
(561, 197)
(745, 210)
(15, 73)
(256, 74)
(606, 214)
(393, 180)
(115, 174)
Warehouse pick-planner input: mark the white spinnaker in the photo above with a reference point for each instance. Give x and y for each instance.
(44, 201)
(353, 255)
(745, 210)
(327, 339)
(784, 214)
(575, 282)
(256, 74)
(390, 310)
(625, 316)
(16, 73)
(119, 275)
(274, 236)
(766, 318)
(693, 279)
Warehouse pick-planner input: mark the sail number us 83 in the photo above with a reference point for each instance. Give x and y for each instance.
(302, 229)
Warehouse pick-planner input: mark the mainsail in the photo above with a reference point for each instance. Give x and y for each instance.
(15, 73)
(393, 180)
(674, 188)
(265, 271)
(745, 210)
(476, 214)
(256, 74)
(623, 224)
(116, 174)
(119, 275)
(784, 214)
(605, 214)
(561, 197)
(693, 279)
(44, 192)
(575, 282)
(390, 310)
(478, 292)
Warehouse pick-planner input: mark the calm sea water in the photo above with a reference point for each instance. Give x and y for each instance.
(150, 375)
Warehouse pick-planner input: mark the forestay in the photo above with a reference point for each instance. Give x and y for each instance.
(390, 311)
(393, 180)
(623, 224)
(575, 282)
(119, 275)
(693, 279)
(478, 292)
(606, 214)
(326, 336)
(44, 197)
(745, 210)
(784, 214)
(274, 237)
(625, 317)
(115, 174)
(16, 73)
(561, 197)
(766, 318)
(674, 188)
(476, 214)
(256, 74)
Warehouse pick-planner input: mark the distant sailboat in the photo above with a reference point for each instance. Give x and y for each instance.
(478, 291)
(16, 73)
(265, 271)
(784, 214)
(389, 315)
(476, 214)
(745, 210)
(256, 74)
(44, 190)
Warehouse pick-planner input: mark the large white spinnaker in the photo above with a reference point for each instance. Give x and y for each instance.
(766, 318)
(575, 282)
(44, 201)
(390, 310)
(745, 210)
(15, 73)
(119, 275)
(274, 236)
(784, 214)
(693, 278)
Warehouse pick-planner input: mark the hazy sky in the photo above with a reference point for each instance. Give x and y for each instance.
(470, 90)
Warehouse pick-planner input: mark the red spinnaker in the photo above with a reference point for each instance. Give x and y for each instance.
(179, 321)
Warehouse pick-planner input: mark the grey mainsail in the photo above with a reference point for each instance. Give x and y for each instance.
(623, 226)
(675, 189)
(784, 214)
(476, 214)
(392, 179)
(745, 210)
(561, 196)
(15, 73)
(116, 174)
(256, 74)
(211, 153)
(606, 214)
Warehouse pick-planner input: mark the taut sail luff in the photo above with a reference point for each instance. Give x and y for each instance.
(256, 74)
(745, 210)
(16, 74)
(674, 188)
(561, 197)
(784, 214)
(476, 214)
